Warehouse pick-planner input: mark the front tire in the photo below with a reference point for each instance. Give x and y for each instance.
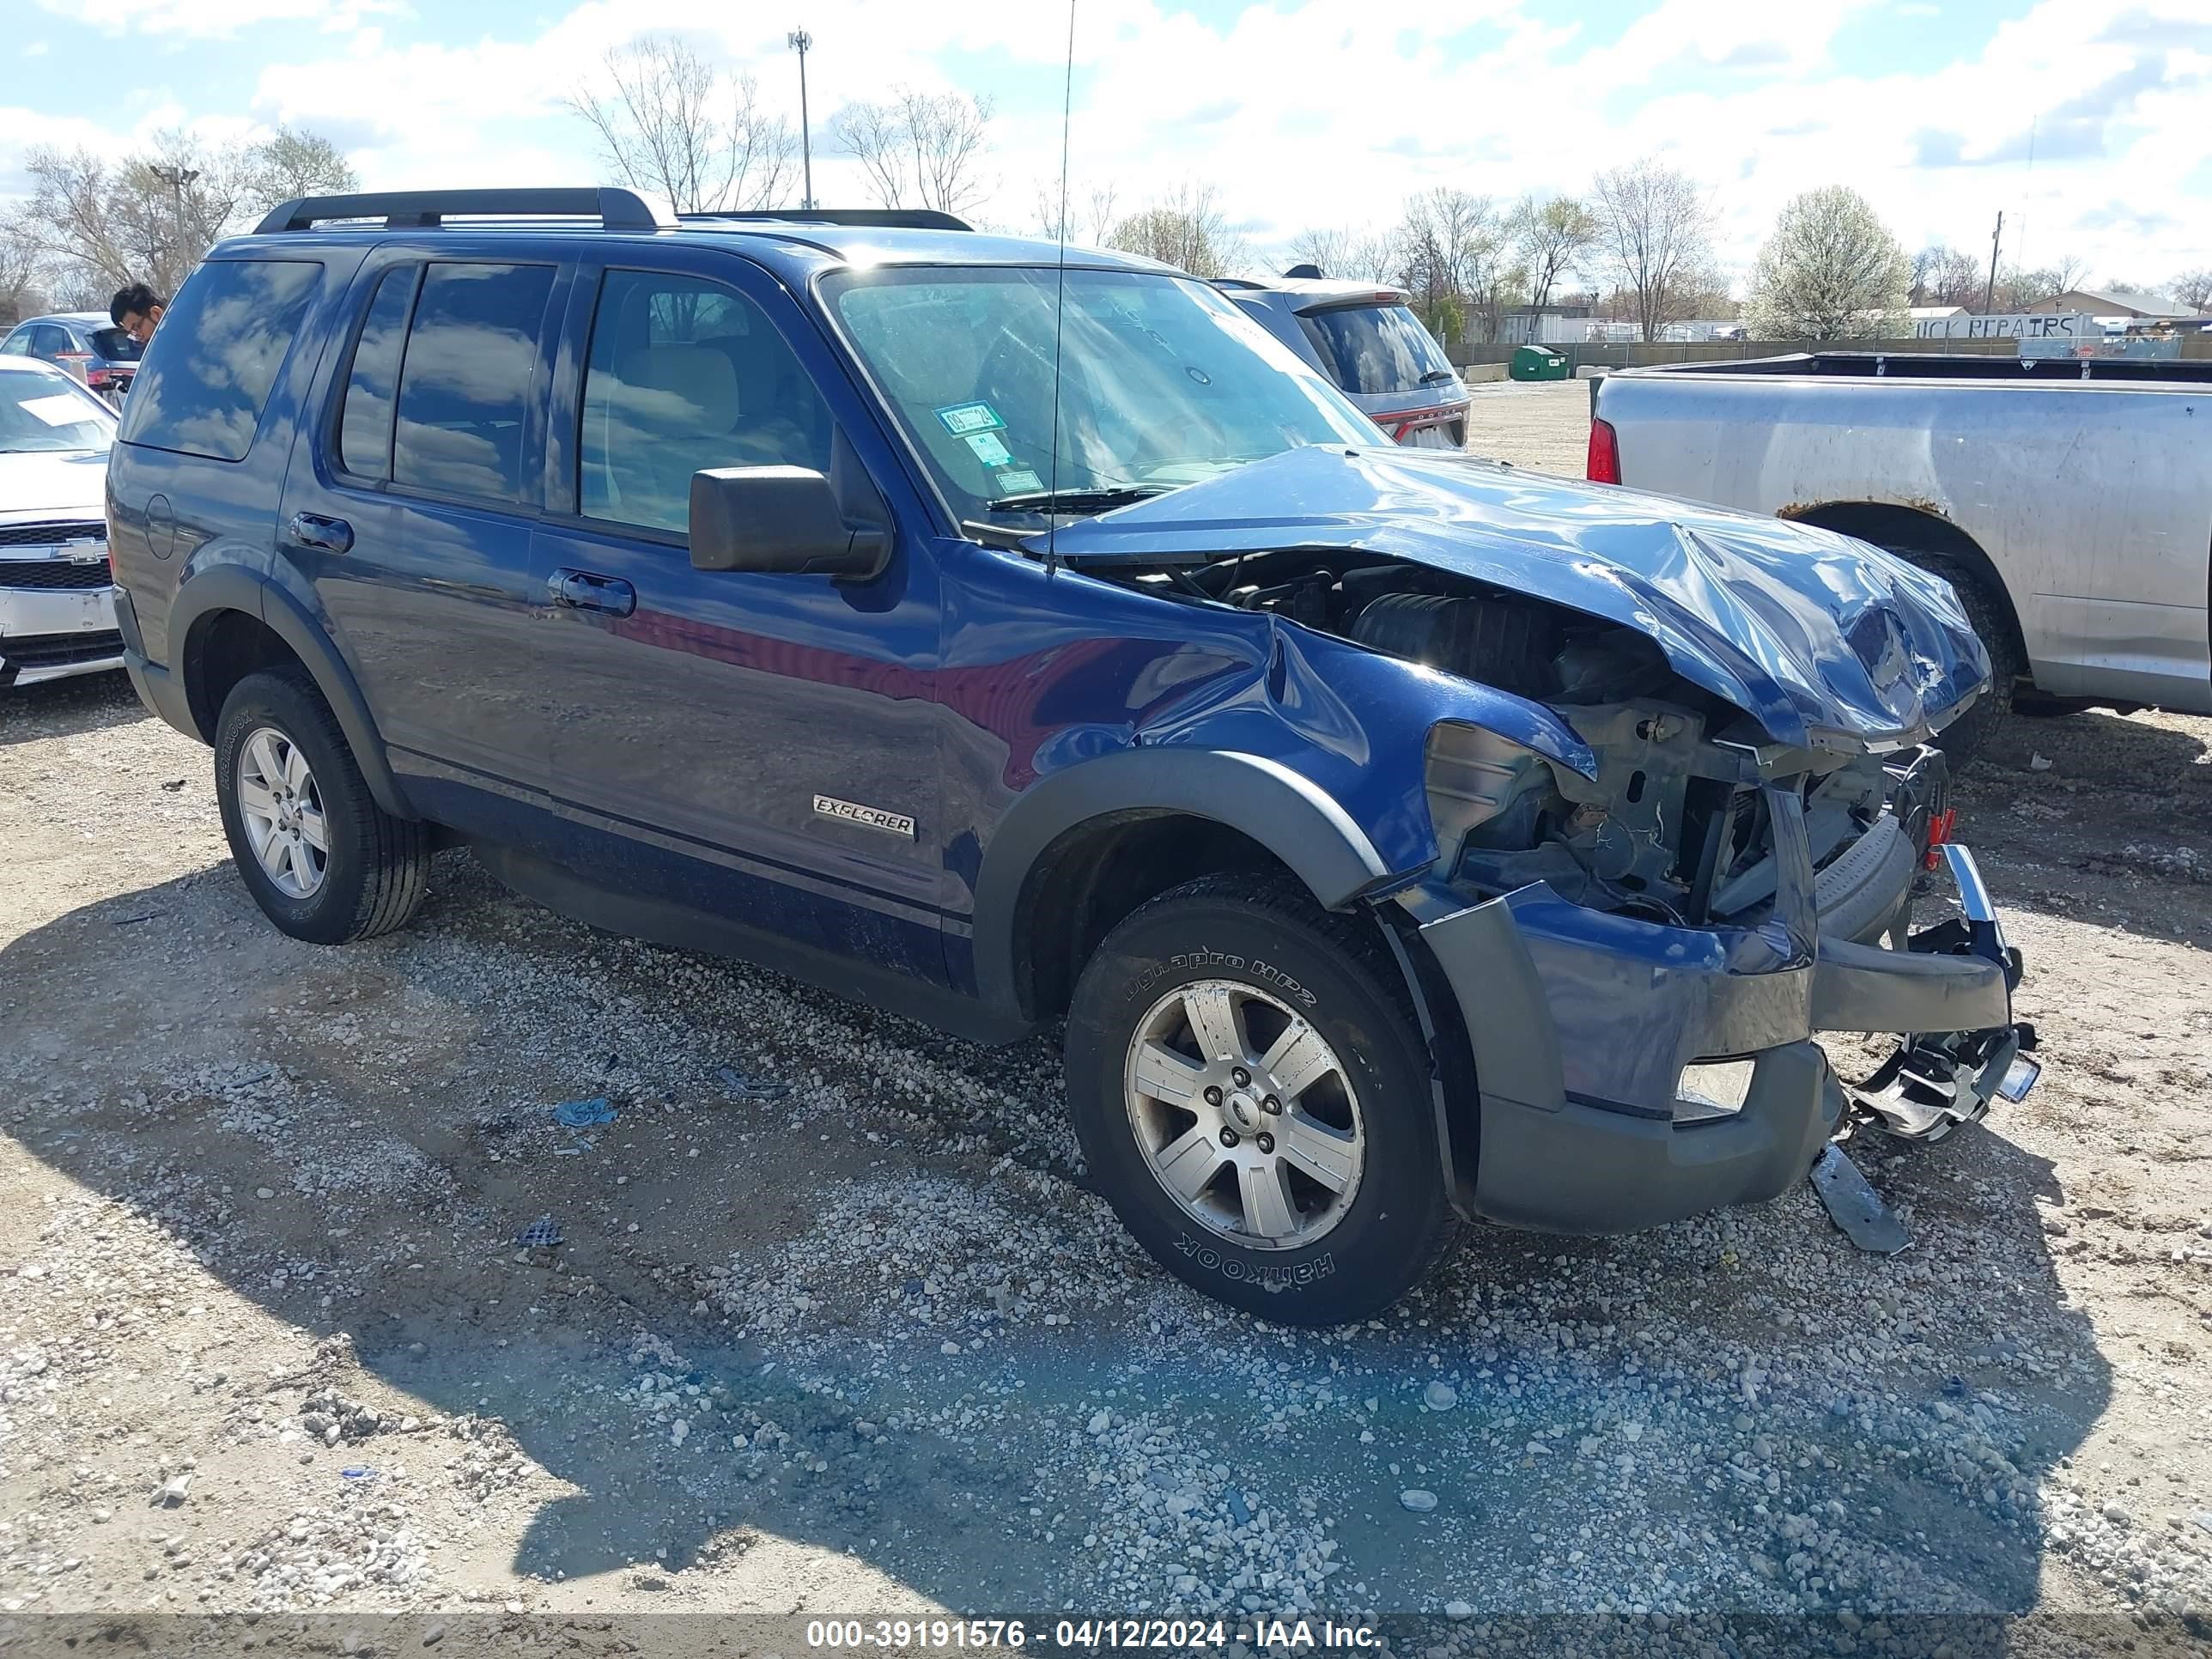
(1252, 1097)
(321, 859)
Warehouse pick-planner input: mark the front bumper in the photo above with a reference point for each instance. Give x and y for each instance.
(51, 634)
(1580, 1023)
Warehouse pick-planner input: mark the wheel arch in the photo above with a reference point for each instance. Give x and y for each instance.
(1081, 848)
(232, 621)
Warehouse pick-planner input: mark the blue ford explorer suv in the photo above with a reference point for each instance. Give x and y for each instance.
(1398, 837)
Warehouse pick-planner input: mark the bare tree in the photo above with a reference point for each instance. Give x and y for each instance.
(2193, 288)
(1354, 255)
(922, 149)
(148, 219)
(2068, 272)
(294, 164)
(674, 126)
(1329, 251)
(873, 135)
(1655, 231)
(1448, 246)
(91, 226)
(1185, 228)
(1089, 214)
(1371, 256)
(1831, 270)
(19, 277)
(1549, 235)
(1941, 276)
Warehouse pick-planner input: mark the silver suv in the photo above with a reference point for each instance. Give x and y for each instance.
(1367, 339)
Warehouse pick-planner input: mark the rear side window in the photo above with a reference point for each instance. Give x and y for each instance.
(365, 422)
(116, 346)
(1377, 348)
(465, 383)
(220, 347)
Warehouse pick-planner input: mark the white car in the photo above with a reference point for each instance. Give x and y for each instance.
(57, 589)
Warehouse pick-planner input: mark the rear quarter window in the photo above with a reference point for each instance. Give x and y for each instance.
(207, 375)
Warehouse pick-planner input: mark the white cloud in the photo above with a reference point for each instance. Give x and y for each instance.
(220, 18)
(1316, 116)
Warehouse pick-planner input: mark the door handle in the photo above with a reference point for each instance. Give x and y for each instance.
(314, 529)
(580, 590)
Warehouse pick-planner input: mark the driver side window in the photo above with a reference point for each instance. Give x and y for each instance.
(685, 374)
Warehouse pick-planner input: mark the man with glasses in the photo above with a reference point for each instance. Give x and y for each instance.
(136, 310)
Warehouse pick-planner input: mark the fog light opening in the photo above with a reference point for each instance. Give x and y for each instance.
(1712, 1089)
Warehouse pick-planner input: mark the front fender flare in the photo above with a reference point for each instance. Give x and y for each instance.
(1287, 813)
(218, 588)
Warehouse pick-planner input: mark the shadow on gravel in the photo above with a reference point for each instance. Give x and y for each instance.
(2119, 811)
(1734, 1412)
(90, 702)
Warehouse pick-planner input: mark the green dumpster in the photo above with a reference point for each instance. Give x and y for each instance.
(1533, 362)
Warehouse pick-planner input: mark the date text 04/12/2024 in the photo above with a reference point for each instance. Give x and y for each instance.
(1082, 1635)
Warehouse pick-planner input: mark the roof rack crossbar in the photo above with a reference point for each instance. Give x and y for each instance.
(894, 218)
(614, 208)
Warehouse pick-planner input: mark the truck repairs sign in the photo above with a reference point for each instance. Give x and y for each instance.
(2013, 325)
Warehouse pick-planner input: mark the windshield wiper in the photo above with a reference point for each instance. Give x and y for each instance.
(1079, 500)
(1437, 377)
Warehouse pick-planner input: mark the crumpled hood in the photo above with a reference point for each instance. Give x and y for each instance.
(1827, 643)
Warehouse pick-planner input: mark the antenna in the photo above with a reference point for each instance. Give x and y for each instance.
(1059, 304)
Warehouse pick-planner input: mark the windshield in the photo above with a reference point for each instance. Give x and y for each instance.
(1377, 348)
(1162, 382)
(46, 412)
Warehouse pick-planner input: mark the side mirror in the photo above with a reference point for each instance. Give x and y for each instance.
(785, 520)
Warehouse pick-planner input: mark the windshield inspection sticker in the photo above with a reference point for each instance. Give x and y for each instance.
(1018, 481)
(988, 450)
(961, 419)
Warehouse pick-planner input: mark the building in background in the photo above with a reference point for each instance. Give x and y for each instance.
(2123, 303)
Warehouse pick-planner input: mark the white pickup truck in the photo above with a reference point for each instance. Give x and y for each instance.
(2068, 500)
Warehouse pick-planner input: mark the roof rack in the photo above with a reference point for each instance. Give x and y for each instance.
(898, 218)
(426, 209)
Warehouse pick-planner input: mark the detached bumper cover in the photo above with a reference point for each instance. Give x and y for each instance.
(1581, 1021)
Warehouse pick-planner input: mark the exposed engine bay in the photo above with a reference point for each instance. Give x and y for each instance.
(1673, 827)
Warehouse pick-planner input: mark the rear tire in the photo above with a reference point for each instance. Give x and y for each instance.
(1966, 738)
(322, 859)
(1312, 1192)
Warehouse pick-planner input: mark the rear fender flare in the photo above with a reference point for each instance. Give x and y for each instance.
(216, 588)
(1288, 814)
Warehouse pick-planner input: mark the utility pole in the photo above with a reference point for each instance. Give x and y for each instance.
(799, 41)
(1989, 293)
(177, 179)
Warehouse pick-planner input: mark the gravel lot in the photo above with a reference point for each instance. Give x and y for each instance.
(269, 1342)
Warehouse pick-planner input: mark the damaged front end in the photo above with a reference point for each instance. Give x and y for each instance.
(1643, 955)
(1643, 938)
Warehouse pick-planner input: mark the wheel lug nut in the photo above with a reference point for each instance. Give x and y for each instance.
(1228, 1137)
(1265, 1142)
(1213, 1096)
(1271, 1106)
(1240, 1077)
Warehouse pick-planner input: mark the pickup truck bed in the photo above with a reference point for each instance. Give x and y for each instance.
(2070, 498)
